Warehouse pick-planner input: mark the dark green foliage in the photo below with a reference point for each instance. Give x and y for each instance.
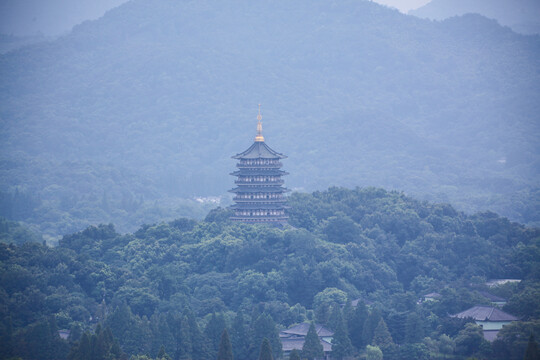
(382, 337)
(12, 232)
(162, 354)
(370, 325)
(97, 346)
(512, 340)
(525, 303)
(295, 355)
(138, 284)
(225, 348)
(214, 332)
(312, 346)
(341, 344)
(414, 351)
(356, 325)
(532, 352)
(266, 351)
(264, 327)
(184, 343)
(414, 328)
(219, 215)
(40, 340)
(470, 340)
(239, 337)
(192, 343)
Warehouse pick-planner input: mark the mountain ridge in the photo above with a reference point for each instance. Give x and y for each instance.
(163, 93)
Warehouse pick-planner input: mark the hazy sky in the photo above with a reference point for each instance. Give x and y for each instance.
(55, 17)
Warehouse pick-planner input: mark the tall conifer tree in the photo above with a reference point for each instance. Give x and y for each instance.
(312, 345)
(266, 350)
(370, 324)
(184, 346)
(341, 344)
(382, 337)
(225, 348)
(239, 337)
(356, 324)
(265, 327)
(213, 332)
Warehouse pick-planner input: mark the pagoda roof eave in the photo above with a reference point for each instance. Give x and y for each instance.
(259, 150)
(268, 172)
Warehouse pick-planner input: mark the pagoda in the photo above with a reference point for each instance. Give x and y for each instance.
(259, 195)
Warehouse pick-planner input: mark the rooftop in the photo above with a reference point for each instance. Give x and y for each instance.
(302, 329)
(485, 313)
(259, 150)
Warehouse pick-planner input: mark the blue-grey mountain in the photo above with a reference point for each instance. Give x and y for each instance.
(126, 114)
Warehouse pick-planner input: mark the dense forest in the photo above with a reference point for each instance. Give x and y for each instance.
(129, 118)
(169, 290)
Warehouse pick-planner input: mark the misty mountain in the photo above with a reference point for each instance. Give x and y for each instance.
(10, 42)
(28, 18)
(147, 104)
(523, 16)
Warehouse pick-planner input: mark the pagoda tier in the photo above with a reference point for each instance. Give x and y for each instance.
(259, 195)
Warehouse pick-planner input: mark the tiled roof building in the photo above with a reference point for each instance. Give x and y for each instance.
(295, 337)
(490, 318)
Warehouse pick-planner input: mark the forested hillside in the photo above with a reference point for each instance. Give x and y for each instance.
(126, 116)
(520, 15)
(177, 285)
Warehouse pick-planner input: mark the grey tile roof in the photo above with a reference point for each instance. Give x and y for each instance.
(302, 329)
(259, 150)
(485, 313)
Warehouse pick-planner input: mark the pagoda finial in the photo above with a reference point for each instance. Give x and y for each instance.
(259, 137)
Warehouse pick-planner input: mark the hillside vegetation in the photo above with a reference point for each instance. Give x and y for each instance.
(520, 15)
(178, 284)
(129, 115)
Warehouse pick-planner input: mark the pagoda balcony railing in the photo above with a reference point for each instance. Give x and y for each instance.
(258, 217)
(258, 200)
(269, 182)
(270, 166)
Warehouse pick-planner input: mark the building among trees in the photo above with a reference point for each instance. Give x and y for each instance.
(259, 195)
(490, 318)
(295, 338)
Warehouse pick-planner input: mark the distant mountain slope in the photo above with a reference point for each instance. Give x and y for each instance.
(523, 16)
(149, 102)
(49, 18)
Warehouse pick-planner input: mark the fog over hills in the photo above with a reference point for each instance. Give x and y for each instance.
(129, 113)
(523, 16)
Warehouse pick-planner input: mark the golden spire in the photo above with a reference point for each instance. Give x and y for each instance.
(259, 137)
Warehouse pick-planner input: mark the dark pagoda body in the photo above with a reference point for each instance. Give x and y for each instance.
(259, 192)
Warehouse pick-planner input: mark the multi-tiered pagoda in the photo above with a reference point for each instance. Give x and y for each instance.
(259, 195)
